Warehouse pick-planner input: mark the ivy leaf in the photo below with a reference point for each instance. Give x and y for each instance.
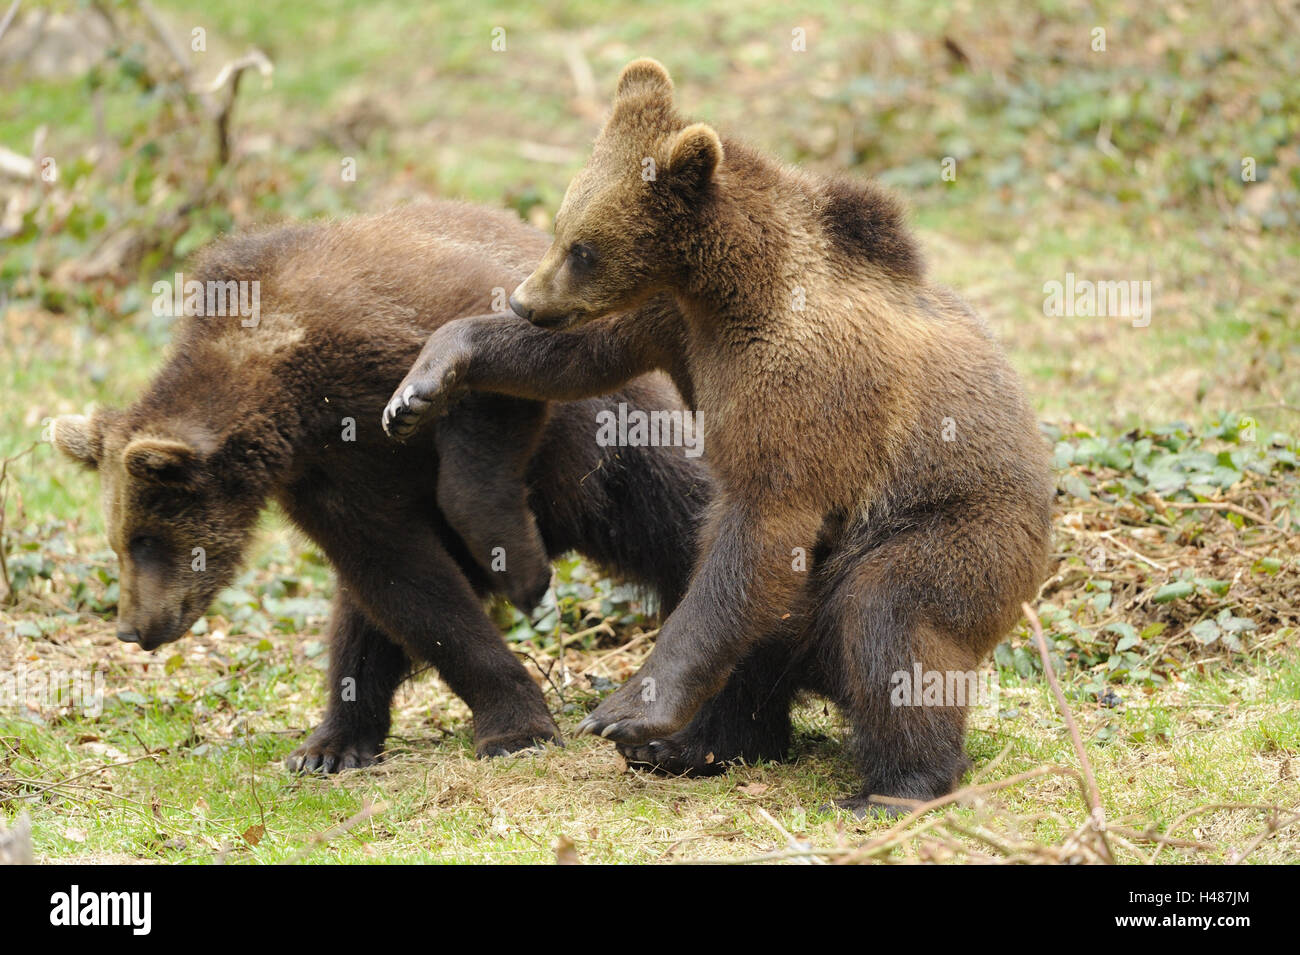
(1174, 590)
(1206, 632)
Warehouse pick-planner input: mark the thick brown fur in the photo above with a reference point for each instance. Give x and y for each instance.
(853, 412)
(238, 416)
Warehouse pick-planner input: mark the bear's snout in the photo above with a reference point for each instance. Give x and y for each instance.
(520, 309)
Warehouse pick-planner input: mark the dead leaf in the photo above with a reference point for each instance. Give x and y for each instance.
(253, 834)
(753, 789)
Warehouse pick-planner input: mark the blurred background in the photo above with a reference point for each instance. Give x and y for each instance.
(1117, 141)
(1123, 162)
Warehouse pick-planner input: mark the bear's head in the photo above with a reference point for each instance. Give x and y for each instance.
(649, 176)
(179, 511)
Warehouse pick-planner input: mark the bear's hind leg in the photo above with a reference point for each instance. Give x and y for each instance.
(876, 637)
(484, 446)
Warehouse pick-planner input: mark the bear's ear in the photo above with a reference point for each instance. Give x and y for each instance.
(160, 460)
(644, 77)
(80, 437)
(696, 153)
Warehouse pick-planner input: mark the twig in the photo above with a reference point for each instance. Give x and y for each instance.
(252, 780)
(794, 844)
(231, 73)
(9, 18)
(329, 835)
(1224, 506)
(160, 33)
(1108, 535)
(1148, 835)
(72, 779)
(959, 795)
(1090, 781)
(609, 653)
(544, 672)
(1271, 826)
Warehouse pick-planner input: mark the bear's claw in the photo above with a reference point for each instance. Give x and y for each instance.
(424, 395)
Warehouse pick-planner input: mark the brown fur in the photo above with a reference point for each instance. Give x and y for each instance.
(238, 416)
(794, 312)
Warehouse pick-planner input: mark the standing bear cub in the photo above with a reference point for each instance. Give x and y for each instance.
(883, 496)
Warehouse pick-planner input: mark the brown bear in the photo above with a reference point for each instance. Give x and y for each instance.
(884, 496)
(288, 409)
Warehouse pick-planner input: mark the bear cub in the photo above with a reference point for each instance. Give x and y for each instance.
(883, 495)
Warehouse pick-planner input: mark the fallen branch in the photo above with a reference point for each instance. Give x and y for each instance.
(1224, 506)
(1096, 812)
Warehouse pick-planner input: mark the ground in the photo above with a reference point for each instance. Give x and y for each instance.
(1172, 609)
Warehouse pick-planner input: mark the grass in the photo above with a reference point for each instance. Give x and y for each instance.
(188, 766)
(1115, 165)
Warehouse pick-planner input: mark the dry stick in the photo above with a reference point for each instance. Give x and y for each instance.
(993, 764)
(1117, 835)
(546, 672)
(1215, 807)
(966, 792)
(329, 835)
(791, 842)
(1224, 506)
(9, 18)
(252, 780)
(1109, 535)
(231, 73)
(1272, 826)
(164, 37)
(1090, 781)
(1159, 839)
(609, 653)
(47, 786)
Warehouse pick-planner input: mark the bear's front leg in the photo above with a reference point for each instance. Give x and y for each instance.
(435, 380)
(509, 356)
(656, 702)
(745, 588)
(365, 670)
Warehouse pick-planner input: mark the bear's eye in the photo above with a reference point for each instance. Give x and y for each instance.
(582, 256)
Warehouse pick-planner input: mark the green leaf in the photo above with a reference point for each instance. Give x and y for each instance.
(1206, 632)
(1174, 590)
(1076, 486)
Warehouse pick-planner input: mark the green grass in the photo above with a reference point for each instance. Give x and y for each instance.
(204, 769)
(1115, 165)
